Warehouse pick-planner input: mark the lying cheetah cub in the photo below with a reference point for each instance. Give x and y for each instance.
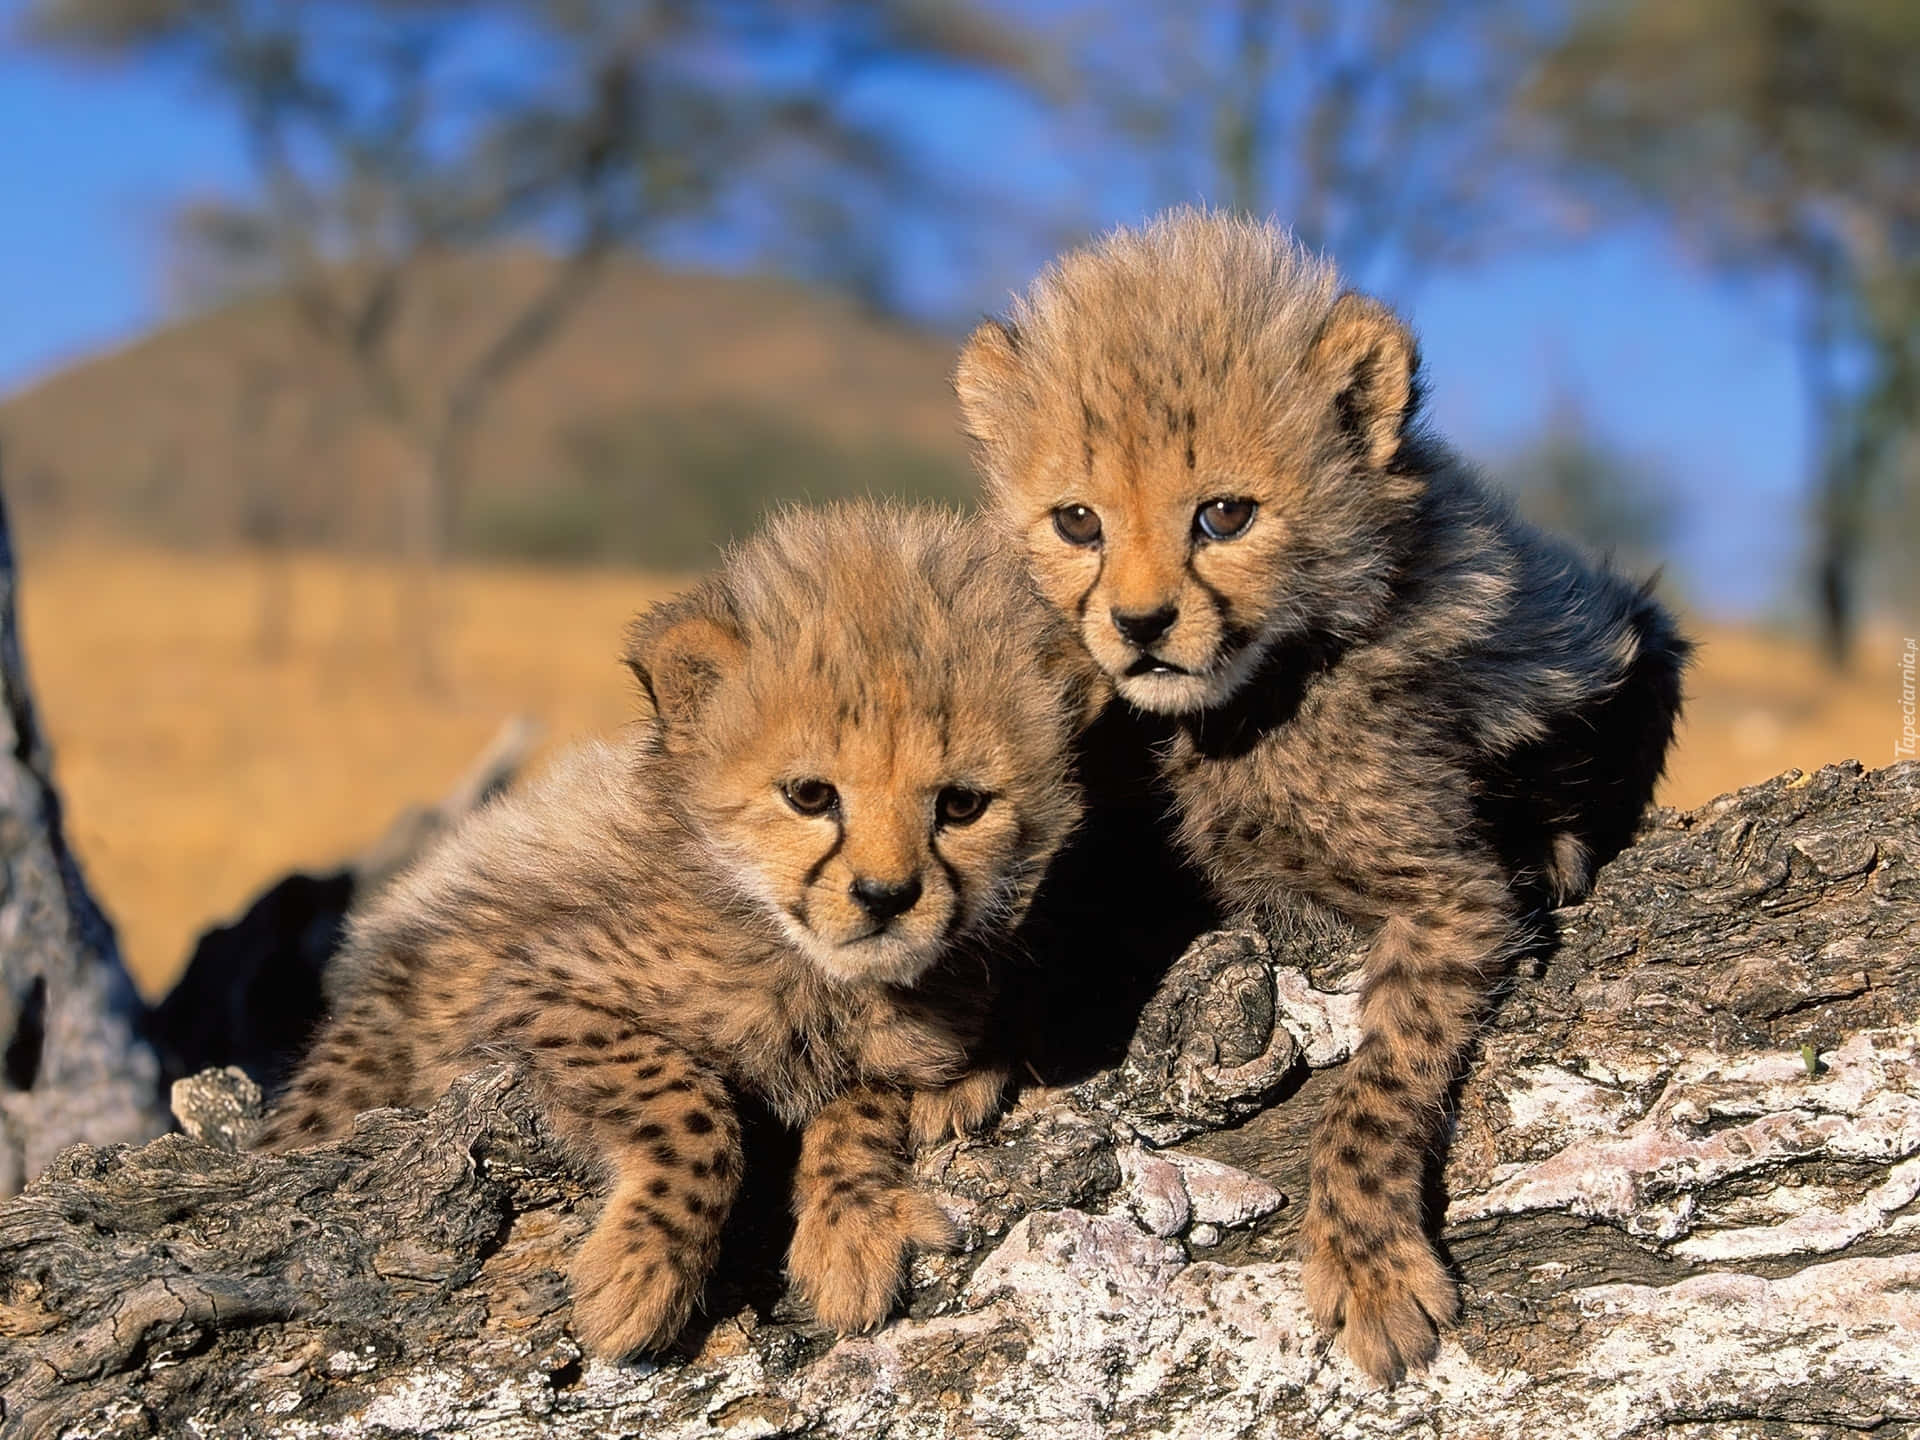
(1388, 695)
(853, 777)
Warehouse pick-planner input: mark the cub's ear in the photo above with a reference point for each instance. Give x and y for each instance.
(681, 649)
(991, 381)
(1364, 357)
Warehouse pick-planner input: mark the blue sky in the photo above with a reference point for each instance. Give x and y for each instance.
(92, 161)
(1697, 377)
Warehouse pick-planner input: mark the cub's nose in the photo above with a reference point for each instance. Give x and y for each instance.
(884, 901)
(1145, 628)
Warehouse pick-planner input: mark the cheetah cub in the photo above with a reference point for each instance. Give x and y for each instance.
(1387, 695)
(788, 884)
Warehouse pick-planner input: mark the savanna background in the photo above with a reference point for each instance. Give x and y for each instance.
(366, 365)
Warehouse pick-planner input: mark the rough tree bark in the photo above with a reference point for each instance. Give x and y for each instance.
(1682, 1194)
(73, 1065)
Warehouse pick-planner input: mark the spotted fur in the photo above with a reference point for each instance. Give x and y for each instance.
(1389, 696)
(656, 928)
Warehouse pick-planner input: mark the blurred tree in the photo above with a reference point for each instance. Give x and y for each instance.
(665, 488)
(1572, 482)
(263, 518)
(1783, 136)
(387, 135)
(1368, 126)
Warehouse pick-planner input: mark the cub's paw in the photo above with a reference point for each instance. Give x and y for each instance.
(965, 1107)
(1388, 1304)
(630, 1292)
(849, 1257)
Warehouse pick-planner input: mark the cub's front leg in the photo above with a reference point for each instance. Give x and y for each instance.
(965, 1107)
(665, 1129)
(1370, 1270)
(1405, 859)
(858, 1223)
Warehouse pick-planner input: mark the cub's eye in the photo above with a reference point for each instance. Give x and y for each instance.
(810, 797)
(1076, 524)
(959, 806)
(1223, 519)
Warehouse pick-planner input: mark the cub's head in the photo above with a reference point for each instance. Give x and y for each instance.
(1199, 445)
(865, 719)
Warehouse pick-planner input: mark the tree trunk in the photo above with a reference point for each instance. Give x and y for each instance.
(72, 1064)
(1683, 1193)
(423, 599)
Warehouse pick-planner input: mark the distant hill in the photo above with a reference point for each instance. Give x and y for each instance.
(666, 413)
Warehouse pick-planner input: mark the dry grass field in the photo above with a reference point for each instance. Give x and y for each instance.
(196, 770)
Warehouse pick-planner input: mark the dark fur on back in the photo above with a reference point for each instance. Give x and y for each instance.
(1391, 697)
(1552, 682)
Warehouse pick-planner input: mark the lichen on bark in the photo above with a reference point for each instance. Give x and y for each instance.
(1666, 1221)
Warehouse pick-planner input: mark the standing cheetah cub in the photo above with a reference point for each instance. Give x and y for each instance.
(788, 884)
(1389, 696)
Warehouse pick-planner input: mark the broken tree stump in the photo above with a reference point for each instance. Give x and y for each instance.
(73, 1062)
(1683, 1193)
